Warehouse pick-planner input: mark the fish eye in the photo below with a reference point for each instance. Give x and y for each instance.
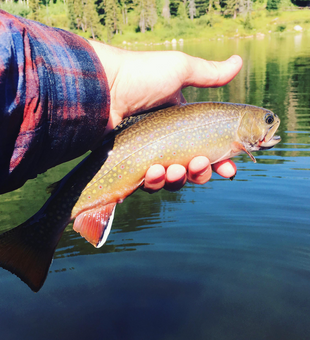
(269, 118)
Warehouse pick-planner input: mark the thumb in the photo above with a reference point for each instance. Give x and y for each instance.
(203, 73)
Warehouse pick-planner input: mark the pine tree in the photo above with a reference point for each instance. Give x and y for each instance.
(71, 15)
(273, 5)
(201, 8)
(142, 15)
(83, 15)
(91, 18)
(147, 14)
(78, 11)
(248, 20)
(112, 18)
(151, 14)
(232, 7)
(182, 13)
(173, 7)
(210, 9)
(34, 5)
(124, 13)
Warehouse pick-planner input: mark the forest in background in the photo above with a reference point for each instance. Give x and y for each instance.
(155, 21)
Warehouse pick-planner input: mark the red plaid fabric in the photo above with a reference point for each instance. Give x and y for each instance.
(54, 99)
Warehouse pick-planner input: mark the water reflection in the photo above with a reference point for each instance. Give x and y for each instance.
(142, 211)
(227, 260)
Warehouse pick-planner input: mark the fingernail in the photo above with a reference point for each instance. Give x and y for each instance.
(203, 172)
(234, 59)
(233, 177)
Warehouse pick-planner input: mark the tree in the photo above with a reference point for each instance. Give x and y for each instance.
(201, 8)
(191, 9)
(248, 19)
(112, 18)
(151, 14)
(34, 5)
(232, 7)
(210, 6)
(147, 14)
(241, 6)
(71, 15)
(182, 13)
(166, 10)
(91, 18)
(273, 5)
(83, 15)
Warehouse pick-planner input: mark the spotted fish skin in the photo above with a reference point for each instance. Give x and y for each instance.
(170, 136)
(90, 192)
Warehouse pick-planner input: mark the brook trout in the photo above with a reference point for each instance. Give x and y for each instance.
(90, 192)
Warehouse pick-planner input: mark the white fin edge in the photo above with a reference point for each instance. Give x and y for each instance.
(106, 230)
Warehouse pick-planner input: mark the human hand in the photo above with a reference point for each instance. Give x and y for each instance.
(140, 81)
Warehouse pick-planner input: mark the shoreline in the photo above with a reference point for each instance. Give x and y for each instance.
(180, 42)
(176, 31)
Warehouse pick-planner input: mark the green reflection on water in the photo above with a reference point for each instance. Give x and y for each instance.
(275, 75)
(226, 260)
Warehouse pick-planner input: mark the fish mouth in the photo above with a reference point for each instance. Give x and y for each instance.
(270, 140)
(270, 144)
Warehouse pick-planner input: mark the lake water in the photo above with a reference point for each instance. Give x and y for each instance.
(225, 260)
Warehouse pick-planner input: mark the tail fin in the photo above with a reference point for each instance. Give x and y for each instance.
(27, 251)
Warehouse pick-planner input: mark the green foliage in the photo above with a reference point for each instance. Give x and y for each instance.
(281, 28)
(34, 6)
(147, 14)
(232, 6)
(112, 18)
(273, 5)
(191, 9)
(248, 22)
(20, 9)
(201, 7)
(166, 10)
(72, 15)
(142, 20)
(83, 15)
(182, 13)
(174, 7)
(204, 21)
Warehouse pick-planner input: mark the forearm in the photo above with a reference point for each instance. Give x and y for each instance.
(56, 101)
(110, 58)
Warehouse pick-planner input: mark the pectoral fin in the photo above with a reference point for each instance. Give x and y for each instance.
(237, 147)
(95, 225)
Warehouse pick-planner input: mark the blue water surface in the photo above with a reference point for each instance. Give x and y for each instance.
(225, 260)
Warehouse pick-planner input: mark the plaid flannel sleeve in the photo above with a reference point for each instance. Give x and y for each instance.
(54, 99)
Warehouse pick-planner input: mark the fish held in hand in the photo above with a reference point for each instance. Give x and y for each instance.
(91, 191)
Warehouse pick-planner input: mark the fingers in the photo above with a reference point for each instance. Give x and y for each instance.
(158, 177)
(199, 170)
(155, 178)
(175, 177)
(203, 73)
(226, 169)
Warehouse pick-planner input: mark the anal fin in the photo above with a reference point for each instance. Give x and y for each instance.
(95, 224)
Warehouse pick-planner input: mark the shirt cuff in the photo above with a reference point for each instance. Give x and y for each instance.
(57, 99)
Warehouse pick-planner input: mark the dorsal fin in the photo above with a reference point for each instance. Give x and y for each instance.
(95, 224)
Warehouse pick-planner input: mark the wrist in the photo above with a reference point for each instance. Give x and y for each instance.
(111, 59)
